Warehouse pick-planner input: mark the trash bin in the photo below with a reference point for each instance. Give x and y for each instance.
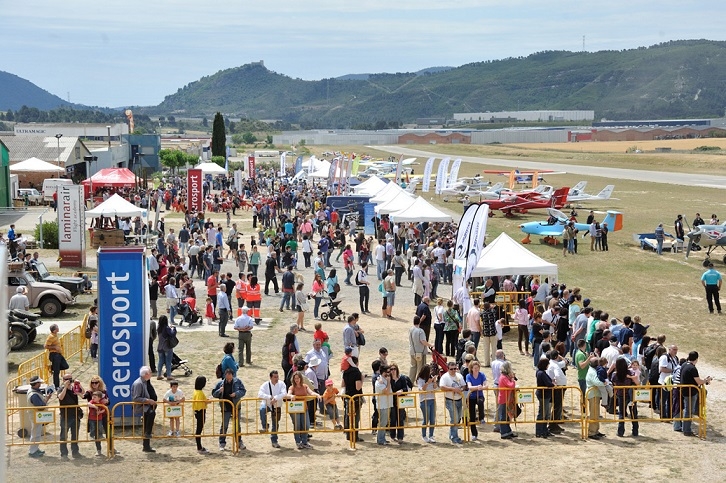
(26, 415)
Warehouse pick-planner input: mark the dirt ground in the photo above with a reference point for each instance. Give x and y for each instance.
(625, 281)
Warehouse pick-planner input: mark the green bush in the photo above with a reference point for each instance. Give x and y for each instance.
(50, 234)
(707, 148)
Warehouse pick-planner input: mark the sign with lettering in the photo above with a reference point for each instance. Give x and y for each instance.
(44, 417)
(296, 407)
(642, 395)
(71, 226)
(525, 397)
(195, 193)
(174, 411)
(406, 402)
(122, 302)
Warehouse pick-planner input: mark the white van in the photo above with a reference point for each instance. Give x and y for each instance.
(50, 186)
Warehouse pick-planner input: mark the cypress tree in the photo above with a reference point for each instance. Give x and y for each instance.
(219, 138)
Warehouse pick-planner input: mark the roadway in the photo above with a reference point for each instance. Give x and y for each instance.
(684, 179)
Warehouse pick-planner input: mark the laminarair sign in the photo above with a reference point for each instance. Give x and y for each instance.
(195, 193)
(71, 226)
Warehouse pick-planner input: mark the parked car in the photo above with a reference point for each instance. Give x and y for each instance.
(75, 285)
(50, 298)
(33, 195)
(23, 328)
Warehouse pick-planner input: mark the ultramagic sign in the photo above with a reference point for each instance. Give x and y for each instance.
(123, 323)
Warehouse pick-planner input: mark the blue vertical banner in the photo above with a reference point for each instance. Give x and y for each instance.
(298, 164)
(369, 213)
(122, 301)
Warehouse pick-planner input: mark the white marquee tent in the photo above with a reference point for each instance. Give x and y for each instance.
(388, 192)
(370, 187)
(420, 210)
(116, 206)
(399, 202)
(322, 170)
(34, 164)
(505, 256)
(211, 168)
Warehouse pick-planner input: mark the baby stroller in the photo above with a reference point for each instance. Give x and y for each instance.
(188, 312)
(439, 366)
(179, 363)
(334, 311)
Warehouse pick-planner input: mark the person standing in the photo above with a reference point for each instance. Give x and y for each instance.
(38, 400)
(418, 346)
(361, 280)
(473, 322)
(244, 325)
(272, 395)
(144, 395)
(389, 293)
(489, 332)
(164, 348)
(58, 363)
(229, 390)
(384, 401)
(659, 238)
(711, 281)
(423, 311)
(271, 270)
(689, 395)
(224, 308)
(69, 417)
(453, 385)
(288, 288)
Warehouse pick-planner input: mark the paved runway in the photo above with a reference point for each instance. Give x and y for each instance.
(684, 179)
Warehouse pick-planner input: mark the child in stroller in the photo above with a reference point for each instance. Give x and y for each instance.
(187, 309)
(179, 363)
(334, 311)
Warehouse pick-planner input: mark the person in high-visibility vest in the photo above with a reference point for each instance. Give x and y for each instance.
(241, 289)
(253, 298)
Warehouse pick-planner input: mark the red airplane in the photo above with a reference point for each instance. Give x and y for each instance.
(522, 204)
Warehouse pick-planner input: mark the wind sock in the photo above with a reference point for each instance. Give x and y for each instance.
(441, 175)
(427, 174)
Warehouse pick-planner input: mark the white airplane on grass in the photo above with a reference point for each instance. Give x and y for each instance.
(583, 197)
(460, 191)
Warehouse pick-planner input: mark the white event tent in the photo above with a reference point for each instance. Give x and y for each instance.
(116, 206)
(505, 256)
(370, 187)
(322, 170)
(34, 164)
(399, 202)
(420, 210)
(388, 192)
(211, 168)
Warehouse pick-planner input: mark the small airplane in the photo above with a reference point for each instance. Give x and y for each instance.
(519, 204)
(492, 193)
(582, 197)
(710, 236)
(524, 177)
(553, 228)
(405, 162)
(577, 190)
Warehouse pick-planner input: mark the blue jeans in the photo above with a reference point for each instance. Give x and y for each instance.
(659, 248)
(689, 403)
(301, 423)
(165, 358)
(504, 428)
(571, 245)
(97, 432)
(275, 416)
(545, 410)
(383, 415)
(475, 336)
(455, 413)
(172, 312)
(227, 415)
(67, 423)
(286, 299)
(317, 306)
(380, 268)
(428, 410)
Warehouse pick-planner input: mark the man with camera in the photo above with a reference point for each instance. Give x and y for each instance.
(70, 418)
(38, 399)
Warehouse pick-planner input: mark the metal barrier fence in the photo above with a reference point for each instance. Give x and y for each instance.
(73, 342)
(52, 425)
(508, 301)
(37, 365)
(128, 426)
(624, 407)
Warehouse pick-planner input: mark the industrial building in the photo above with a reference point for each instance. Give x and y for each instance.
(528, 116)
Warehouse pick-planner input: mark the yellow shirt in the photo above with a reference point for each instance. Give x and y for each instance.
(199, 400)
(52, 343)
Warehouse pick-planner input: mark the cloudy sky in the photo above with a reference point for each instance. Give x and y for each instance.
(135, 53)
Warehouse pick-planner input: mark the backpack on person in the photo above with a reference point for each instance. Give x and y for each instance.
(648, 355)
(89, 331)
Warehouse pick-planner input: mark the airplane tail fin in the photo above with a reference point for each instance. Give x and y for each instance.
(579, 187)
(614, 219)
(559, 197)
(606, 193)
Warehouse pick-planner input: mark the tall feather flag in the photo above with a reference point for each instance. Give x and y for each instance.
(298, 164)
(441, 175)
(454, 171)
(399, 169)
(427, 174)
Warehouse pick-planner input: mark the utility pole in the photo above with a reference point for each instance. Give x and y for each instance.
(57, 137)
(583, 43)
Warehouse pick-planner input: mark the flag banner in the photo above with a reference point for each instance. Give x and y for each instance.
(454, 171)
(356, 163)
(283, 164)
(441, 175)
(298, 164)
(399, 169)
(427, 174)
(331, 172)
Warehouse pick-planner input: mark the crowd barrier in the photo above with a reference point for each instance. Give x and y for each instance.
(57, 429)
(355, 414)
(508, 301)
(641, 411)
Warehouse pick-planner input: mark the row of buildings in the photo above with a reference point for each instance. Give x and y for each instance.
(80, 149)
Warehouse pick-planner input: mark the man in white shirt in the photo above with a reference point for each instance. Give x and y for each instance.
(612, 352)
(554, 370)
(172, 298)
(244, 325)
(453, 385)
(19, 301)
(667, 363)
(384, 403)
(151, 262)
(321, 369)
(272, 395)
